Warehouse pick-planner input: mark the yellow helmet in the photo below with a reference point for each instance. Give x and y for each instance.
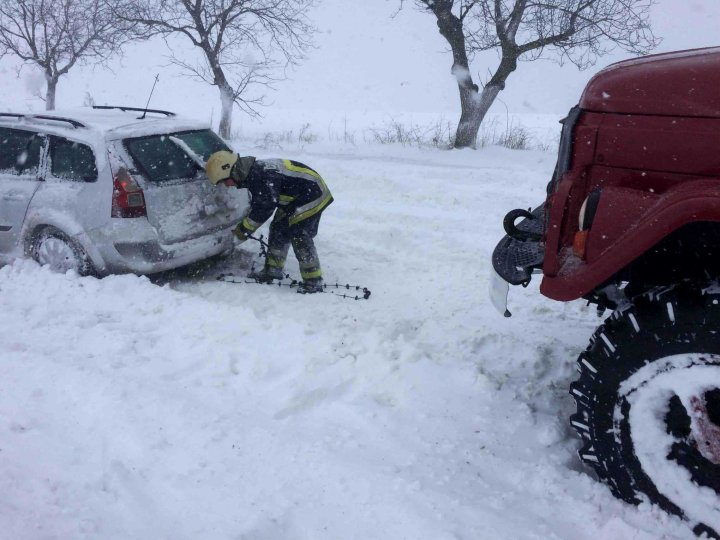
(219, 165)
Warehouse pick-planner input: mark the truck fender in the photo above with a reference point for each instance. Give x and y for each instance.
(628, 222)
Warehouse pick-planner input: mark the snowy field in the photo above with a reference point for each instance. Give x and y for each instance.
(179, 407)
(184, 408)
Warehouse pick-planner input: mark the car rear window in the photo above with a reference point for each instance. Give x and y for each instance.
(160, 159)
(19, 151)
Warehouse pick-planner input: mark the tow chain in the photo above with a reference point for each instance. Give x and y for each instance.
(264, 246)
(362, 293)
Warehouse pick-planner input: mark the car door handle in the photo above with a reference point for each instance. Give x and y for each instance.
(14, 198)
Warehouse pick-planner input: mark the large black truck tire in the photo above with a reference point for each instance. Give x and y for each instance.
(648, 403)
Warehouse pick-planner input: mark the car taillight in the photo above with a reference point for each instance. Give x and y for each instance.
(128, 200)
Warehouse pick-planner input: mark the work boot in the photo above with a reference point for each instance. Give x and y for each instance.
(309, 286)
(267, 274)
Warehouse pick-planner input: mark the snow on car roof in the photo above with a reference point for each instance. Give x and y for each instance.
(108, 123)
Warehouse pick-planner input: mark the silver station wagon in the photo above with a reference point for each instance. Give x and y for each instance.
(107, 190)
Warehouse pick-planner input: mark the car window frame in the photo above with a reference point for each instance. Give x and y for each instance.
(39, 173)
(49, 164)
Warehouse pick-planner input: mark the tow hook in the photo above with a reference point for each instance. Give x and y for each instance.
(515, 233)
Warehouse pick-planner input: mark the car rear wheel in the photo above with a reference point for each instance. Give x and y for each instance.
(648, 403)
(55, 249)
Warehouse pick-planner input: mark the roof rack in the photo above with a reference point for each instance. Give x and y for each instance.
(134, 109)
(73, 123)
(70, 121)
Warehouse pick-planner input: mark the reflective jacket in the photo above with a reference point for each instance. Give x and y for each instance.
(281, 183)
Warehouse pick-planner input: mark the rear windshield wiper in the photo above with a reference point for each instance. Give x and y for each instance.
(189, 151)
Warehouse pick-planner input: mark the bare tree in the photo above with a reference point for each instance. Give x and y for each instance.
(55, 35)
(577, 31)
(243, 42)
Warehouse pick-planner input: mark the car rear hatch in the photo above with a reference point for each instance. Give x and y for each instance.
(181, 203)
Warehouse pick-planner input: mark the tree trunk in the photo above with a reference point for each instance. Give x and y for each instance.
(227, 94)
(52, 82)
(227, 101)
(473, 103)
(474, 107)
(451, 29)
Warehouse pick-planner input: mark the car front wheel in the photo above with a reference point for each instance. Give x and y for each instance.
(648, 403)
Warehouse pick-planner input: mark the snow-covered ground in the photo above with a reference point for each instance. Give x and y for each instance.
(182, 407)
(185, 408)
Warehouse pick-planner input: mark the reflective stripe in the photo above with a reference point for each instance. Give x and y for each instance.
(274, 262)
(250, 225)
(313, 207)
(286, 199)
(311, 275)
(306, 213)
(294, 168)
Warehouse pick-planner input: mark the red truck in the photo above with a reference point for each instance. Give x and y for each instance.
(631, 223)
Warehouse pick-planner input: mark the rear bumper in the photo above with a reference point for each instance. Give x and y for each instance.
(136, 249)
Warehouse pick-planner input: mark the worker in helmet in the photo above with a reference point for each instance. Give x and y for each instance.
(295, 193)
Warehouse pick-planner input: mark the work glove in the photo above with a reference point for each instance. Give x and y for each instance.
(240, 233)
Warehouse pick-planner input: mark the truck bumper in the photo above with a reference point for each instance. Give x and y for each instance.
(517, 256)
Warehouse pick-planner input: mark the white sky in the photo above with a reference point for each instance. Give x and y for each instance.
(365, 62)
